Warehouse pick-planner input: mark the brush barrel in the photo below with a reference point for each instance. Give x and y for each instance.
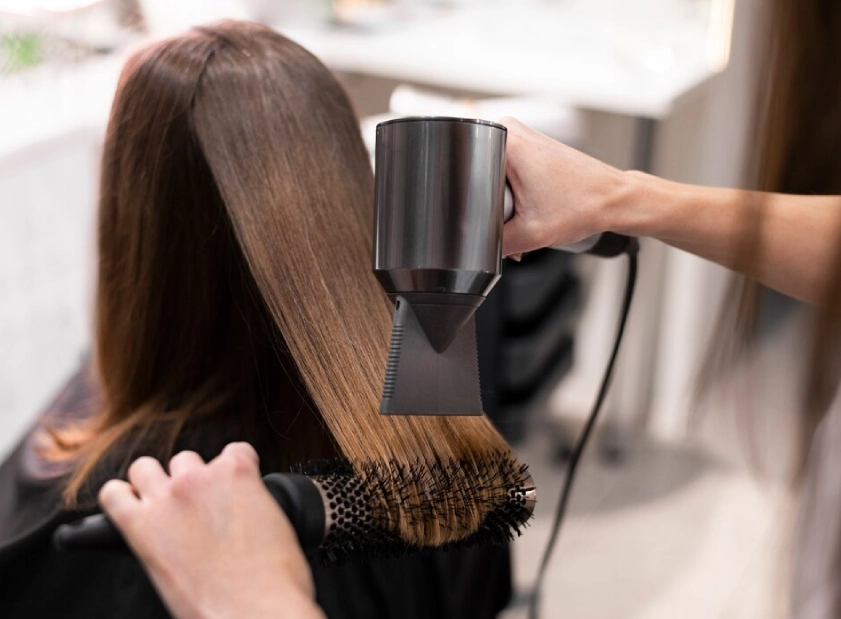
(440, 186)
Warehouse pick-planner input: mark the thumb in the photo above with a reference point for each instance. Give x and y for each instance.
(523, 232)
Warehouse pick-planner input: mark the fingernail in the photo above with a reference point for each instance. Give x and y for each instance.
(516, 257)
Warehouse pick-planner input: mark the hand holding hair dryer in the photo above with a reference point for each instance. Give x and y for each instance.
(441, 202)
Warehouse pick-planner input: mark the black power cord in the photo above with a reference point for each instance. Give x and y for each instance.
(631, 251)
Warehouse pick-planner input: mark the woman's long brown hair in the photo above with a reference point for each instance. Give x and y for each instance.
(802, 155)
(797, 150)
(235, 296)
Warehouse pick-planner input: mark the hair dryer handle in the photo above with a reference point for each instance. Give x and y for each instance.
(605, 245)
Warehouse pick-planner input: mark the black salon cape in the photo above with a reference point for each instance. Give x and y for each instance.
(36, 581)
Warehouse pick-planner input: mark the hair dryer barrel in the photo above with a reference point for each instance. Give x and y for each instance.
(439, 204)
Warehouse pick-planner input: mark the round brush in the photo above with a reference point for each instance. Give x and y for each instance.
(343, 512)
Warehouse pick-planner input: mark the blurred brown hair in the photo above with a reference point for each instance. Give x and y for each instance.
(796, 150)
(235, 296)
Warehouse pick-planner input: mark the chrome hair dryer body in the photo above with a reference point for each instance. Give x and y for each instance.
(440, 186)
(441, 201)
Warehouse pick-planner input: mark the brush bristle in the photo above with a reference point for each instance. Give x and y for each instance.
(366, 500)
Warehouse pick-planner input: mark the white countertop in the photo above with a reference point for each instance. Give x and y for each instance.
(634, 58)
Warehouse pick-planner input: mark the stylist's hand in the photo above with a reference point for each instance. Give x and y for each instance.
(560, 194)
(211, 538)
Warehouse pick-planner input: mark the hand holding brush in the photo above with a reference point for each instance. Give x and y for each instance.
(211, 538)
(211, 522)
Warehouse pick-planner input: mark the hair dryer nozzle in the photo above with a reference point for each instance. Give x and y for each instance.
(432, 364)
(437, 251)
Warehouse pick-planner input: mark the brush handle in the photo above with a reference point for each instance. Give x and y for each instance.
(297, 495)
(92, 533)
